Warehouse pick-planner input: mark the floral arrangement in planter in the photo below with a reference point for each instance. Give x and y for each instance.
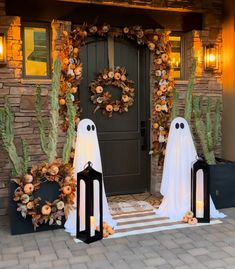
(44, 211)
(103, 99)
(157, 42)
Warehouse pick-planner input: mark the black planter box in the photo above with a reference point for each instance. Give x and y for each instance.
(222, 183)
(20, 225)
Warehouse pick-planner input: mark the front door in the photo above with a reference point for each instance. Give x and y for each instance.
(123, 138)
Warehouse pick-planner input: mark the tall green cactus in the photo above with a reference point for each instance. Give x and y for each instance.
(207, 134)
(19, 165)
(49, 144)
(71, 113)
(188, 94)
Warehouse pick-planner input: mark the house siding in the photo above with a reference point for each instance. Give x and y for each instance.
(22, 92)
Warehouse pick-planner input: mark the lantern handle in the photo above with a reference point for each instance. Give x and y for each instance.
(88, 165)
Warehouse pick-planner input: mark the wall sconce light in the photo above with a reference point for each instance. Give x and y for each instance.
(211, 57)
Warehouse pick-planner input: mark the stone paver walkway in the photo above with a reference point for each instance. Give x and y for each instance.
(202, 247)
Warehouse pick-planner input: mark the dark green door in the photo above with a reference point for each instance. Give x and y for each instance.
(124, 137)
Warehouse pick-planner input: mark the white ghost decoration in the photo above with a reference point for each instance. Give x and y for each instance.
(176, 179)
(87, 149)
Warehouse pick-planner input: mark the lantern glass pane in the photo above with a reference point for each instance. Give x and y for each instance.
(176, 44)
(82, 206)
(1, 48)
(199, 194)
(96, 206)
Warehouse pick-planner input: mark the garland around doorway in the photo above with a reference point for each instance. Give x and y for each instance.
(158, 43)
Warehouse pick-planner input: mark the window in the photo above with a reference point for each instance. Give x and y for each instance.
(36, 50)
(177, 55)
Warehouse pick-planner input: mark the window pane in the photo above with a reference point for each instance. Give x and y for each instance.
(176, 55)
(36, 51)
(1, 47)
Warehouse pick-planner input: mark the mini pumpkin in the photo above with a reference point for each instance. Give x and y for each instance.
(109, 108)
(73, 90)
(151, 46)
(60, 205)
(164, 57)
(163, 88)
(185, 219)
(28, 178)
(158, 108)
(117, 76)
(159, 92)
(30, 205)
(75, 50)
(105, 76)
(125, 30)
(62, 102)
(53, 170)
(158, 61)
(125, 98)
(192, 221)
(123, 77)
(67, 190)
(24, 198)
(111, 74)
(28, 188)
(99, 89)
(155, 125)
(46, 210)
(155, 38)
(189, 214)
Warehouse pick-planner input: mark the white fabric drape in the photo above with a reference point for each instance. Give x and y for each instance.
(176, 179)
(87, 149)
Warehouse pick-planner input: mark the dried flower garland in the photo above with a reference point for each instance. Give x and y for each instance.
(103, 99)
(158, 43)
(45, 211)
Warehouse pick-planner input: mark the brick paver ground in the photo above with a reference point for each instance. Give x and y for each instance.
(202, 247)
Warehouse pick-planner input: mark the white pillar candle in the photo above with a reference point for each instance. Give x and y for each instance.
(199, 209)
(92, 223)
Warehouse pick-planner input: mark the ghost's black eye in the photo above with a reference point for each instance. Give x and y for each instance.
(93, 127)
(88, 127)
(177, 125)
(181, 125)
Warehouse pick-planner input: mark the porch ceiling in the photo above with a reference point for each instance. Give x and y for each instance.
(73, 10)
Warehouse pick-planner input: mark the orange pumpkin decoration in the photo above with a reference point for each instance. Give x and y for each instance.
(62, 102)
(158, 108)
(99, 89)
(189, 214)
(159, 92)
(67, 190)
(46, 210)
(163, 88)
(73, 90)
(192, 221)
(163, 102)
(75, 50)
(105, 76)
(123, 77)
(185, 219)
(155, 125)
(158, 61)
(109, 108)
(125, 98)
(125, 30)
(117, 76)
(30, 205)
(164, 57)
(28, 178)
(53, 170)
(151, 46)
(28, 188)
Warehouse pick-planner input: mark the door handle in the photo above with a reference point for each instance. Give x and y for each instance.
(143, 135)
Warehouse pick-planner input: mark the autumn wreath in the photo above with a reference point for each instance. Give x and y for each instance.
(44, 211)
(103, 99)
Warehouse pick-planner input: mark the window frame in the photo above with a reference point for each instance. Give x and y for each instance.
(182, 54)
(47, 26)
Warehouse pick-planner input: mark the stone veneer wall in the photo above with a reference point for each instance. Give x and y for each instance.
(21, 92)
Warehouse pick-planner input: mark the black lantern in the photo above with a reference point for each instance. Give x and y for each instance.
(89, 205)
(200, 193)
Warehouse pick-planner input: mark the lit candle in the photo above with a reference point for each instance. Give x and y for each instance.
(92, 223)
(199, 209)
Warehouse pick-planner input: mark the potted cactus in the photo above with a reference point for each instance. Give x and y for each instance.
(208, 129)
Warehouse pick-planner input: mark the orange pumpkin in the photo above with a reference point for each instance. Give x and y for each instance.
(164, 57)
(67, 190)
(125, 98)
(158, 108)
(159, 92)
(28, 188)
(125, 30)
(192, 221)
(99, 89)
(73, 89)
(163, 88)
(62, 102)
(155, 125)
(75, 50)
(151, 46)
(105, 76)
(46, 210)
(30, 205)
(189, 214)
(53, 170)
(109, 108)
(185, 219)
(123, 77)
(117, 76)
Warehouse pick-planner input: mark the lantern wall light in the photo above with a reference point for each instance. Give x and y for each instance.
(2, 48)
(211, 57)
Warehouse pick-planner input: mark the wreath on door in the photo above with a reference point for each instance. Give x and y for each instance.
(103, 99)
